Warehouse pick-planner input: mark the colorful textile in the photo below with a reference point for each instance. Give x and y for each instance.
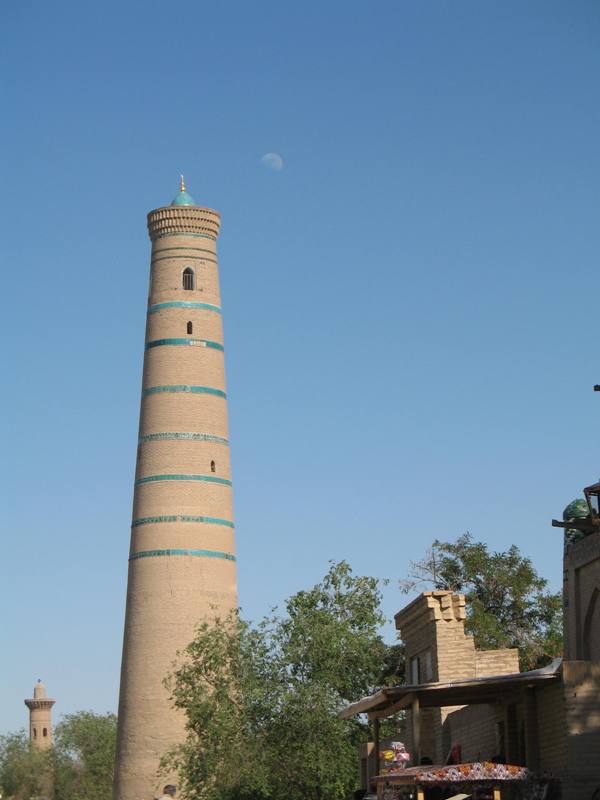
(478, 771)
(460, 773)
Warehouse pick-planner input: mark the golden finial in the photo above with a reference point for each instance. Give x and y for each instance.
(181, 183)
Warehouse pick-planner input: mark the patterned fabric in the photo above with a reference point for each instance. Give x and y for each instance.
(477, 771)
(459, 773)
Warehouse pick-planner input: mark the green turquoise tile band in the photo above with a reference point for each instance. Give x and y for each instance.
(181, 518)
(183, 233)
(200, 553)
(181, 388)
(194, 437)
(186, 258)
(183, 304)
(192, 342)
(207, 478)
(195, 249)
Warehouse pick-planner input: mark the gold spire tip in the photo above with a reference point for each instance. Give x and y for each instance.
(181, 183)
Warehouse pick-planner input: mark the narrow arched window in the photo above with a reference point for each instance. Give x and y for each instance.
(213, 466)
(35, 733)
(190, 327)
(45, 732)
(188, 278)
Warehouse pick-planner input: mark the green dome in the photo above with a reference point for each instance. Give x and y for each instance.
(577, 509)
(183, 199)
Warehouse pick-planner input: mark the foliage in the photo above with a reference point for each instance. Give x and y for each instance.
(79, 766)
(25, 771)
(262, 701)
(508, 604)
(393, 671)
(84, 755)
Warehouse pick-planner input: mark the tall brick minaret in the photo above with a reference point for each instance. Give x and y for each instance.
(182, 564)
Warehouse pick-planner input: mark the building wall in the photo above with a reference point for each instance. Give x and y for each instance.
(581, 687)
(431, 726)
(503, 661)
(474, 728)
(551, 728)
(581, 597)
(434, 622)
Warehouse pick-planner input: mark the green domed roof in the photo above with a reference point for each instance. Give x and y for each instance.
(183, 198)
(577, 509)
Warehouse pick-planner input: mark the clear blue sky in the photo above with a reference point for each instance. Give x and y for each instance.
(410, 304)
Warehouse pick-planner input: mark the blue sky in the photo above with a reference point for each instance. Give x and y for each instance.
(410, 304)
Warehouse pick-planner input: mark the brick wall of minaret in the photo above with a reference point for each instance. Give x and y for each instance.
(40, 718)
(182, 564)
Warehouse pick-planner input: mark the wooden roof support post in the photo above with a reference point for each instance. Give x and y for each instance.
(376, 744)
(416, 729)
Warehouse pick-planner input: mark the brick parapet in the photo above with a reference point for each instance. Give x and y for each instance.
(37, 704)
(503, 661)
(170, 220)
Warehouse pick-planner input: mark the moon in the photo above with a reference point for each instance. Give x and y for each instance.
(272, 161)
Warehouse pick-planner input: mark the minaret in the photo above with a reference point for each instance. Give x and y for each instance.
(40, 717)
(182, 564)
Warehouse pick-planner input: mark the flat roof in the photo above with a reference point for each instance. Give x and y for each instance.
(466, 691)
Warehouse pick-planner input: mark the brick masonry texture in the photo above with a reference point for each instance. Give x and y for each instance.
(581, 593)
(169, 594)
(434, 623)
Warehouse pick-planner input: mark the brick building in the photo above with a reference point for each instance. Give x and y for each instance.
(478, 702)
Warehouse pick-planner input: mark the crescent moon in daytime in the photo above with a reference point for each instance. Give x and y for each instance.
(272, 161)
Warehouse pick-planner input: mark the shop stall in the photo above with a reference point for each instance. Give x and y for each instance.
(479, 781)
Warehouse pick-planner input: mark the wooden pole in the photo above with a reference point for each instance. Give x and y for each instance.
(376, 744)
(416, 729)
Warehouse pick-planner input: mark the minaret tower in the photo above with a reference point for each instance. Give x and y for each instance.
(182, 558)
(40, 717)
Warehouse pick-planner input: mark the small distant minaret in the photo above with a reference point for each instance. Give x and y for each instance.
(40, 717)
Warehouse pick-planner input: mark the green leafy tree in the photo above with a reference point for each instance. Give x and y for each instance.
(84, 755)
(508, 603)
(25, 771)
(262, 701)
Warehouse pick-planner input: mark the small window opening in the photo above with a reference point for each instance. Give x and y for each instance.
(188, 278)
(190, 327)
(45, 732)
(35, 733)
(415, 670)
(213, 466)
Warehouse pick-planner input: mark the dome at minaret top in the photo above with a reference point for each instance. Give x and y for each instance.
(39, 690)
(182, 198)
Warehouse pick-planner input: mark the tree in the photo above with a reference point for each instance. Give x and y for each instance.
(508, 604)
(84, 755)
(25, 771)
(262, 701)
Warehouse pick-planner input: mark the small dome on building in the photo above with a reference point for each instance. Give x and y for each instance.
(577, 509)
(183, 198)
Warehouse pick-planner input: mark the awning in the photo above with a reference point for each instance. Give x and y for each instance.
(468, 691)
